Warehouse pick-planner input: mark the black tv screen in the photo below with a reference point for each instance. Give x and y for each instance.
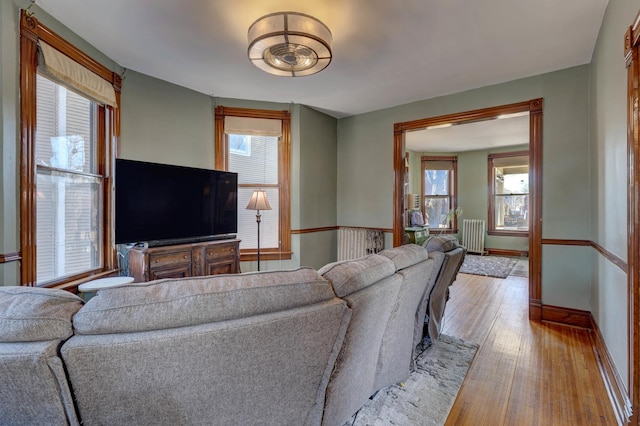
(156, 202)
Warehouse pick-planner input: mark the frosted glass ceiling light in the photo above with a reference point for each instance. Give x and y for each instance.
(289, 44)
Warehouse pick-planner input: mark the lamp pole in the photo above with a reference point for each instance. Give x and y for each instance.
(258, 216)
(258, 202)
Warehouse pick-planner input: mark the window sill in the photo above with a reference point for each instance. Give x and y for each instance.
(252, 255)
(72, 286)
(508, 233)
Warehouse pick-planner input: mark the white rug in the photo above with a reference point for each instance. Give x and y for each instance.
(428, 395)
(521, 269)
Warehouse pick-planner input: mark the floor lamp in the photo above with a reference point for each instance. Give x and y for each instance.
(258, 202)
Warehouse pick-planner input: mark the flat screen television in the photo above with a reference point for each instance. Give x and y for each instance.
(165, 204)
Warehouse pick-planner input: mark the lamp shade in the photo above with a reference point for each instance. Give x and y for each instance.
(258, 201)
(289, 44)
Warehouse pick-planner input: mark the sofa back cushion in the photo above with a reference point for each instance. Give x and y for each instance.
(32, 314)
(406, 255)
(370, 286)
(174, 303)
(349, 276)
(404, 328)
(443, 243)
(267, 369)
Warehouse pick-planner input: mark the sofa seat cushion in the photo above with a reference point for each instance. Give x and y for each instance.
(406, 255)
(171, 303)
(443, 243)
(32, 314)
(350, 276)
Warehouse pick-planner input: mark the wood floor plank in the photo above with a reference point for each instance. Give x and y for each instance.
(525, 372)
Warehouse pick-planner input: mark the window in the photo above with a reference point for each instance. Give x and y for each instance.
(439, 186)
(509, 193)
(69, 126)
(255, 144)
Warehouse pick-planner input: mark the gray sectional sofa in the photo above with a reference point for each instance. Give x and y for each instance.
(271, 348)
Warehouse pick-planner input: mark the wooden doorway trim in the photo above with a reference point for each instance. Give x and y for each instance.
(631, 51)
(534, 107)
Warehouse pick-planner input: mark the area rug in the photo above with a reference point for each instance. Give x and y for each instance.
(427, 396)
(521, 269)
(489, 266)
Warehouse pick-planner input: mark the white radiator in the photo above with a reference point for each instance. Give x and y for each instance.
(358, 242)
(473, 235)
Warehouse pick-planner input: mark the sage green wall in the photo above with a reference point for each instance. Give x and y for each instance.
(365, 169)
(318, 185)
(9, 213)
(608, 179)
(165, 123)
(415, 173)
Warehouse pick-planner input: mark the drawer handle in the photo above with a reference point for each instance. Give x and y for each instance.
(184, 257)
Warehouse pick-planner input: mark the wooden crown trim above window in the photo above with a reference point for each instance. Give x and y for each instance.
(252, 113)
(33, 30)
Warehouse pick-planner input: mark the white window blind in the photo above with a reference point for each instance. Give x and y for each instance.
(258, 170)
(68, 187)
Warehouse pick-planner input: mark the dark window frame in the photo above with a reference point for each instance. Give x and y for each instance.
(453, 191)
(491, 222)
(284, 173)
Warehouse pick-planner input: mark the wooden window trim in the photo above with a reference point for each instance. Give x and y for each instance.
(453, 190)
(284, 172)
(491, 222)
(108, 133)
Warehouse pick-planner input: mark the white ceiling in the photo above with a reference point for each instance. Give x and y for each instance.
(471, 136)
(386, 53)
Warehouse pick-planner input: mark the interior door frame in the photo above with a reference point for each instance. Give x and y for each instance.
(631, 52)
(534, 108)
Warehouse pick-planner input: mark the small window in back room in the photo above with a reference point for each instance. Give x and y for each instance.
(439, 185)
(509, 187)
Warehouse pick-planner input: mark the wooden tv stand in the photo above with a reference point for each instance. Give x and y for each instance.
(185, 260)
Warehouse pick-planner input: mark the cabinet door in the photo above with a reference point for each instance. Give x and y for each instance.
(221, 266)
(174, 271)
(221, 259)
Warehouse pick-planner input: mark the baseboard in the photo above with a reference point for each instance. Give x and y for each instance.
(535, 310)
(618, 395)
(504, 252)
(567, 316)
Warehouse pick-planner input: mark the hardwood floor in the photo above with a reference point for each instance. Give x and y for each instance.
(524, 373)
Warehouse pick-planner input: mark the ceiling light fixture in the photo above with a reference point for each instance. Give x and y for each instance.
(289, 44)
